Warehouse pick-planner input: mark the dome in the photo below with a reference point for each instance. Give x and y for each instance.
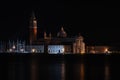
(62, 33)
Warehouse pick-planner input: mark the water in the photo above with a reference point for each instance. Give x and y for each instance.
(42, 67)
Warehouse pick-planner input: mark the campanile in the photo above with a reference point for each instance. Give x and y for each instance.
(32, 28)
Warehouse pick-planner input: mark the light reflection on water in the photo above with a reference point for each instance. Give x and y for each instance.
(34, 69)
(107, 72)
(82, 71)
(62, 71)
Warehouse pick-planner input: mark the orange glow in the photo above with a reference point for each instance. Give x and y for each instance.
(82, 72)
(106, 49)
(33, 70)
(35, 31)
(82, 52)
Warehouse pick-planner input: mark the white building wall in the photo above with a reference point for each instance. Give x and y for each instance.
(55, 49)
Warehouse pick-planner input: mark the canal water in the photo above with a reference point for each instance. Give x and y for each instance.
(59, 67)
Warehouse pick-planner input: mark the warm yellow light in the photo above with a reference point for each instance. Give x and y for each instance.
(33, 50)
(35, 31)
(106, 50)
(82, 53)
(82, 71)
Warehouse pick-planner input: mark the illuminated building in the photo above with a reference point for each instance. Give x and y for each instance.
(16, 46)
(53, 45)
(97, 49)
(33, 29)
(60, 44)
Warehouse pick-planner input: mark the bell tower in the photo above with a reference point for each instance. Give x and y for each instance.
(32, 28)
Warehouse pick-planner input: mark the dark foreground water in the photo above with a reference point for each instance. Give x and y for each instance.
(59, 67)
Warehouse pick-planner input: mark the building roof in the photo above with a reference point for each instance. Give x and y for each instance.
(56, 41)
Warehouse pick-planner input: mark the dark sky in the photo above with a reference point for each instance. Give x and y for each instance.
(97, 21)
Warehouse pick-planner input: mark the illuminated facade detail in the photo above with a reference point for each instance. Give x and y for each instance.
(79, 45)
(33, 28)
(97, 49)
(55, 45)
(61, 45)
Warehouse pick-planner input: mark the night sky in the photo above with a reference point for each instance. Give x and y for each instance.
(98, 22)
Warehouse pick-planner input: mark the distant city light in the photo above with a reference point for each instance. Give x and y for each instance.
(10, 50)
(61, 44)
(13, 47)
(106, 49)
(21, 50)
(63, 50)
(33, 50)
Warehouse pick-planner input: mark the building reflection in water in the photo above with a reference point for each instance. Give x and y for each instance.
(82, 71)
(46, 70)
(63, 71)
(56, 71)
(33, 70)
(107, 72)
(17, 70)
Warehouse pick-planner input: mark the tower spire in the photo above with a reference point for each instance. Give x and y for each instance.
(33, 28)
(33, 15)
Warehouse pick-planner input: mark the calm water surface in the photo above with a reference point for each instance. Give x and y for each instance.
(45, 68)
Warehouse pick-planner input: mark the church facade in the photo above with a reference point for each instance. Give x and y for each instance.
(53, 45)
